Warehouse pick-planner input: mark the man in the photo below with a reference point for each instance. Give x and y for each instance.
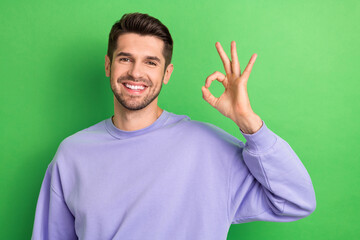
(146, 173)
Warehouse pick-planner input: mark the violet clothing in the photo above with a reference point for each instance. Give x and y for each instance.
(175, 179)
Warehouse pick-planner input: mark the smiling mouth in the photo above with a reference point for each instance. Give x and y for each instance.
(135, 89)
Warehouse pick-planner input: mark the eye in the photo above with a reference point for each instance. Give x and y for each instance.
(152, 63)
(124, 59)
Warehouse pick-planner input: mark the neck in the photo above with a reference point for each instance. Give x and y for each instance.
(130, 120)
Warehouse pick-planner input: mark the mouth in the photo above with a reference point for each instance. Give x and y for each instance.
(134, 88)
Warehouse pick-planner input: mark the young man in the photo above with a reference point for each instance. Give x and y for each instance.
(146, 173)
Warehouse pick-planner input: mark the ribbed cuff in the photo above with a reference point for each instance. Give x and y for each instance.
(261, 140)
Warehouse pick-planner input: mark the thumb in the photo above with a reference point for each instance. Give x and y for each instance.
(207, 96)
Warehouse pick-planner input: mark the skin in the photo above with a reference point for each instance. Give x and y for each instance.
(136, 111)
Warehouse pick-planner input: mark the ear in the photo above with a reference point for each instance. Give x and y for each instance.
(107, 66)
(169, 70)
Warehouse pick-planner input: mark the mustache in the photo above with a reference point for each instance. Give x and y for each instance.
(138, 80)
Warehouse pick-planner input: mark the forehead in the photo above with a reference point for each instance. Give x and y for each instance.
(140, 45)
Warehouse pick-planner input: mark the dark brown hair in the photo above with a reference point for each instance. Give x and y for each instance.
(142, 24)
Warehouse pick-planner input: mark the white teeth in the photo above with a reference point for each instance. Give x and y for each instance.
(134, 87)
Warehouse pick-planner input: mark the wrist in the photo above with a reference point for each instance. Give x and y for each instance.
(249, 125)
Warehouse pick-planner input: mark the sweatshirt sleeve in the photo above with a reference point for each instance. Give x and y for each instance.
(268, 182)
(53, 219)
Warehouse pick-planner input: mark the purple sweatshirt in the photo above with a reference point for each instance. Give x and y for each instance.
(175, 179)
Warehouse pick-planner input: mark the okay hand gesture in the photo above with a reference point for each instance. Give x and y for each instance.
(234, 103)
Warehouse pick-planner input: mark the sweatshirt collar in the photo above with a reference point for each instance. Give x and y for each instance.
(121, 134)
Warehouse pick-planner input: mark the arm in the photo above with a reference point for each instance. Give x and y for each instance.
(53, 219)
(267, 182)
(273, 186)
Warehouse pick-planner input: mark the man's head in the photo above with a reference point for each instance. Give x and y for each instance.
(142, 24)
(138, 60)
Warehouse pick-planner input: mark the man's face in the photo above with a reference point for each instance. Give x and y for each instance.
(137, 70)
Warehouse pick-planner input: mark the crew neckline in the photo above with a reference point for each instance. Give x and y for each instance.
(122, 134)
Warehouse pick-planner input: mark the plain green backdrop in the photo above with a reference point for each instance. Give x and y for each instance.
(304, 85)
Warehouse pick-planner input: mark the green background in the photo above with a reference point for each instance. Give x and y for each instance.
(304, 85)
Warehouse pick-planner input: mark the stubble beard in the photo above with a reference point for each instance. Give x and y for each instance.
(133, 103)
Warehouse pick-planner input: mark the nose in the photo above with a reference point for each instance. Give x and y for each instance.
(136, 70)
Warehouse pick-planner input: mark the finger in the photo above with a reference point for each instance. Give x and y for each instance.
(207, 96)
(248, 68)
(235, 65)
(224, 58)
(215, 76)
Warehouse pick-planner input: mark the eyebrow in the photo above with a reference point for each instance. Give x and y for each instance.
(130, 55)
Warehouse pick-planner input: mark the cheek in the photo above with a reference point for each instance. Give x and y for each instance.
(115, 74)
(158, 77)
(113, 81)
(117, 69)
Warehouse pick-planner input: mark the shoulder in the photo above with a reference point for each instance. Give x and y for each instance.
(85, 136)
